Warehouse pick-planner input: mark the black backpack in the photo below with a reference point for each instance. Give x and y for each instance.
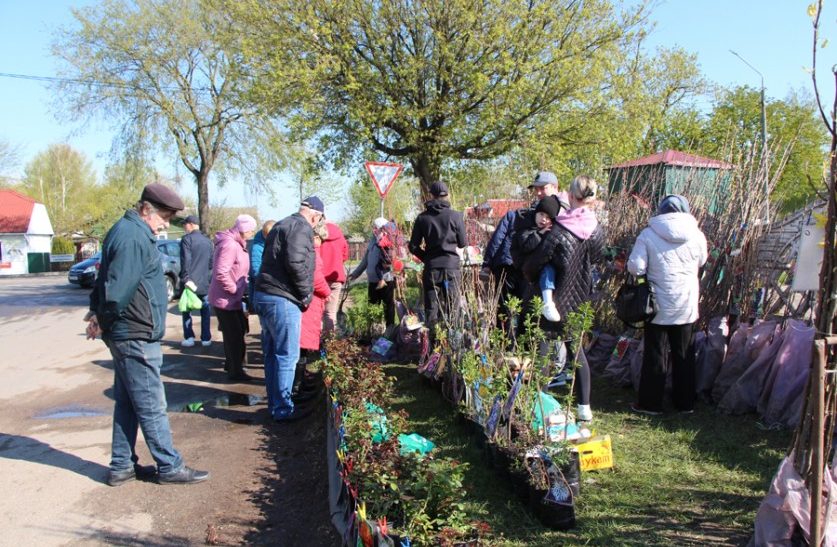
(634, 302)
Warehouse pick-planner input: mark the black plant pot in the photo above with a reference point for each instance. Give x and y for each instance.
(557, 516)
(520, 484)
(463, 421)
(479, 436)
(489, 449)
(472, 427)
(503, 458)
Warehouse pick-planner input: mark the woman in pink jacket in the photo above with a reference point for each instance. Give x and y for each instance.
(312, 317)
(226, 291)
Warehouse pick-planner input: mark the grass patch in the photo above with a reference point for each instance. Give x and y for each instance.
(678, 480)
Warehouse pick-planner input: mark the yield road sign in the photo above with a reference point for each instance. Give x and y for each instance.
(383, 175)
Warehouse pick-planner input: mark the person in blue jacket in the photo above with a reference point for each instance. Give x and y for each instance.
(497, 263)
(128, 310)
(256, 249)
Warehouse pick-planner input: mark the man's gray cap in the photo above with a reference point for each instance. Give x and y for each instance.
(543, 178)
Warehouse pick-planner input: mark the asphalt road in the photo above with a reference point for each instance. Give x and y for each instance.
(51, 291)
(55, 430)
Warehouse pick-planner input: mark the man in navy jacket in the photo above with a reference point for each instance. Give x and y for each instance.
(128, 310)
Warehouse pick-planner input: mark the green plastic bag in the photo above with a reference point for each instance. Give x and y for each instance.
(378, 421)
(189, 301)
(550, 406)
(414, 443)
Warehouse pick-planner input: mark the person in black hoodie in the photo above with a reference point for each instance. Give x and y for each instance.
(437, 233)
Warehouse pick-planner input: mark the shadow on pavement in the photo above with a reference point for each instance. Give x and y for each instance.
(17, 447)
(104, 536)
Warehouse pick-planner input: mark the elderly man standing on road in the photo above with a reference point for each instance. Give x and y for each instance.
(128, 309)
(284, 289)
(195, 271)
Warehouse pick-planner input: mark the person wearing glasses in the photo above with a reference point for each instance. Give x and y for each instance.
(128, 310)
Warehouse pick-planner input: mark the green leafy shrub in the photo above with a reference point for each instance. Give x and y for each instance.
(63, 246)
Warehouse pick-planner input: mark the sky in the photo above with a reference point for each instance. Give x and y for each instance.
(774, 36)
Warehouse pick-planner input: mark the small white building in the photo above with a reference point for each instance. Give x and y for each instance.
(25, 234)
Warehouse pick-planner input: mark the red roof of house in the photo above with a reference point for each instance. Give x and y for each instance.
(675, 157)
(496, 208)
(15, 212)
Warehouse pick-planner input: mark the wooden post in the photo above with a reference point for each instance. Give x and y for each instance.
(818, 439)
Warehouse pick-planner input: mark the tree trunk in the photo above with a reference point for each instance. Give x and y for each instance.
(202, 180)
(427, 170)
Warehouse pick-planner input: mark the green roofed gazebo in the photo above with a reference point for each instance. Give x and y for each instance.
(701, 180)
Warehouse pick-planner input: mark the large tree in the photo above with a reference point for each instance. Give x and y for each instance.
(63, 180)
(160, 70)
(430, 81)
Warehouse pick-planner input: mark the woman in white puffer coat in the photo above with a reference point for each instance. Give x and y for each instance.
(670, 252)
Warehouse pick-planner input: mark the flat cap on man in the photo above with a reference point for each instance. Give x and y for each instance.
(192, 219)
(162, 196)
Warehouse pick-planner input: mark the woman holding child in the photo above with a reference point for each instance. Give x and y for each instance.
(565, 248)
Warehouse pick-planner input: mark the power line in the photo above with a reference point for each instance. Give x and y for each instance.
(80, 81)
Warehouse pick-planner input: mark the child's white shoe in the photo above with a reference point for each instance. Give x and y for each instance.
(550, 312)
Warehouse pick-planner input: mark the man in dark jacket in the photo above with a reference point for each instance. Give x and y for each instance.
(284, 289)
(437, 233)
(525, 230)
(195, 270)
(128, 310)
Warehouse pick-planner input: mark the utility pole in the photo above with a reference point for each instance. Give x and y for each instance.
(763, 141)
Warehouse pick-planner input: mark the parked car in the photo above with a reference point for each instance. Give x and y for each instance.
(84, 273)
(170, 258)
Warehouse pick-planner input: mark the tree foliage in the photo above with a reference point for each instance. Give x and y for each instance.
(120, 190)
(9, 158)
(63, 180)
(434, 81)
(160, 69)
(733, 125)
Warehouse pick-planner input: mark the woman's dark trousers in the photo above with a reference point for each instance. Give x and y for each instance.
(657, 339)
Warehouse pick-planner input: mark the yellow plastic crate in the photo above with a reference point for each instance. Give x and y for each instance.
(595, 453)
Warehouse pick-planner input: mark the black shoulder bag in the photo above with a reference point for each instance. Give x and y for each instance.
(634, 302)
